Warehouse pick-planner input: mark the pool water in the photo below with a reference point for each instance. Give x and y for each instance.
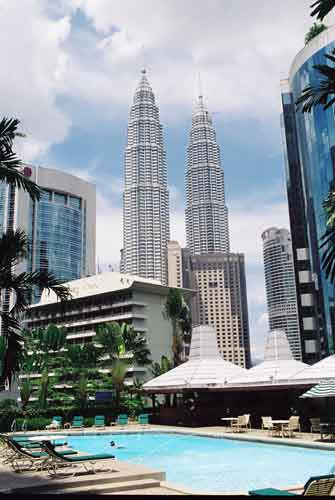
(213, 465)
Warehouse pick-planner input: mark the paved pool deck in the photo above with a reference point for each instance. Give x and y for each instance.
(126, 473)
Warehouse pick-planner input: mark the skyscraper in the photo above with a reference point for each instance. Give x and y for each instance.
(60, 227)
(222, 303)
(217, 274)
(146, 224)
(206, 212)
(309, 147)
(280, 286)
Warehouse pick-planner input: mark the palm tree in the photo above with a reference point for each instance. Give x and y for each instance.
(26, 390)
(322, 8)
(13, 249)
(136, 345)
(177, 311)
(164, 366)
(43, 390)
(118, 375)
(109, 339)
(10, 165)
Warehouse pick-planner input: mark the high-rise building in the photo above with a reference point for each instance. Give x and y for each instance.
(60, 226)
(206, 212)
(218, 275)
(146, 225)
(309, 146)
(280, 286)
(222, 302)
(175, 264)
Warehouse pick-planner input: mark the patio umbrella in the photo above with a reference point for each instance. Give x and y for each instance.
(325, 389)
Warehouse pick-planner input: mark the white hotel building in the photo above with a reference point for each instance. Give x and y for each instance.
(105, 298)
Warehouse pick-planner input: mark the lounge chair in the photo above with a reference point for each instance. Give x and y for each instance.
(122, 419)
(293, 425)
(99, 421)
(143, 419)
(77, 422)
(58, 459)
(56, 423)
(315, 486)
(21, 458)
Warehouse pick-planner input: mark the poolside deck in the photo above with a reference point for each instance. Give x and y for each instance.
(126, 478)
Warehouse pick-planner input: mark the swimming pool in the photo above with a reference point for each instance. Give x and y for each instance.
(213, 465)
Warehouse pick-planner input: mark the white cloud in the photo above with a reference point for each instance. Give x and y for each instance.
(32, 67)
(241, 48)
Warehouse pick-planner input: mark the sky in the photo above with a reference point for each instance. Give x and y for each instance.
(69, 72)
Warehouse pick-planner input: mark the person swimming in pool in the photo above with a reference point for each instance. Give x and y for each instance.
(112, 443)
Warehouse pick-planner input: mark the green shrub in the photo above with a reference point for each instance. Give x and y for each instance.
(33, 424)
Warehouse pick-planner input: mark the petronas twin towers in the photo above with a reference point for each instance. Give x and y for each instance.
(146, 218)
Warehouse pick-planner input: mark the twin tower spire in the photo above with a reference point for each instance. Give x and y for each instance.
(146, 215)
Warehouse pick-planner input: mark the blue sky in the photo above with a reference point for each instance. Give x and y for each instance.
(77, 63)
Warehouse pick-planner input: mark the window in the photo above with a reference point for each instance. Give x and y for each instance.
(46, 195)
(75, 202)
(60, 198)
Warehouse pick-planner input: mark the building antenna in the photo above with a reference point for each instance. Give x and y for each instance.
(200, 93)
(144, 60)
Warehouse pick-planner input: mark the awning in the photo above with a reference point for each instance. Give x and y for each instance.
(325, 389)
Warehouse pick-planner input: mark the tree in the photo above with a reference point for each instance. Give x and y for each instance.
(82, 391)
(118, 375)
(13, 249)
(177, 311)
(164, 366)
(109, 339)
(43, 390)
(136, 345)
(26, 390)
(322, 8)
(10, 165)
(314, 31)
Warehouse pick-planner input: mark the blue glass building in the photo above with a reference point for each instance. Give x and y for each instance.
(309, 141)
(60, 226)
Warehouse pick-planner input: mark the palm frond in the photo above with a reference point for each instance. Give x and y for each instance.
(322, 8)
(13, 247)
(328, 257)
(10, 164)
(15, 347)
(322, 93)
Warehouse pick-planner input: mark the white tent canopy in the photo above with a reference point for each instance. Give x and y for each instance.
(205, 368)
(323, 370)
(278, 365)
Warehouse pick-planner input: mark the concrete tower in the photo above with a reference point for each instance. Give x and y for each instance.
(206, 213)
(146, 225)
(280, 286)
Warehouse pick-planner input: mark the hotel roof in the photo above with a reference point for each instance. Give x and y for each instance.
(105, 283)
